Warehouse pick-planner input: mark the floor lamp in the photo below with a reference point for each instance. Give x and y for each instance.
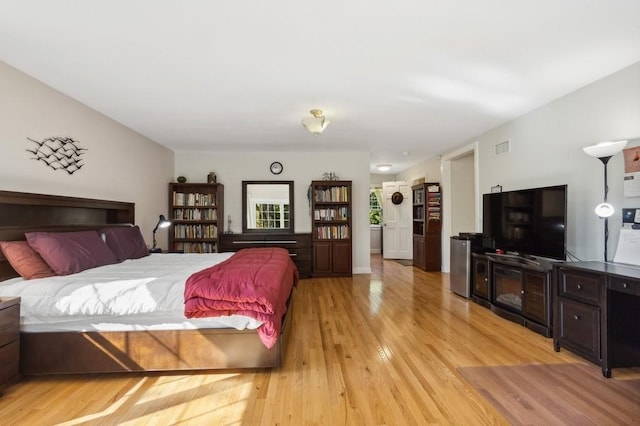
(604, 151)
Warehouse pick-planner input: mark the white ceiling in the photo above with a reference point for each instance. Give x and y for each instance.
(393, 77)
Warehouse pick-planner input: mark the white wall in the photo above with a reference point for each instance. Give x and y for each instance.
(120, 165)
(429, 169)
(546, 149)
(375, 232)
(376, 179)
(233, 167)
(463, 212)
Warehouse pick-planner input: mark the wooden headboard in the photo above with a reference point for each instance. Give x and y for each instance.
(22, 212)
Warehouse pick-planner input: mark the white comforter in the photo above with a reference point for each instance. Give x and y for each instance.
(146, 293)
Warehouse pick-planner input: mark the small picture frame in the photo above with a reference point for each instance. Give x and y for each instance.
(212, 178)
(496, 188)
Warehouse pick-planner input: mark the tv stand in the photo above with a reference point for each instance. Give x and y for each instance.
(516, 288)
(523, 258)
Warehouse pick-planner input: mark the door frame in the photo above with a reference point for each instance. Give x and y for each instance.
(447, 197)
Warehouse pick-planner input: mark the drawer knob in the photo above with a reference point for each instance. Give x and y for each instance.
(625, 285)
(486, 280)
(579, 286)
(576, 317)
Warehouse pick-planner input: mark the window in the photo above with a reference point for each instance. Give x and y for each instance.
(375, 209)
(272, 216)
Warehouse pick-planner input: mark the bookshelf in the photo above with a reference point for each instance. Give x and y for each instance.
(197, 217)
(427, 220)
(331, 228)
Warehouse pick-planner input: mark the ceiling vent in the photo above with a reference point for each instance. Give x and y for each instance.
(502, 148)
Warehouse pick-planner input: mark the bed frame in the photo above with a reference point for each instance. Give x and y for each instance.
(127, 351)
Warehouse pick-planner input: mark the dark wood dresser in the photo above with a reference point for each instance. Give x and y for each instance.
(596, 312)
(9, 340)
(298, 245)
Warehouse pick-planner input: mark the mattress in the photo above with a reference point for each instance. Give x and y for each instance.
(140, 294)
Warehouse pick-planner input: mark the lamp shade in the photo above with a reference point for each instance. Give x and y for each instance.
(316, 123)
(605, 149)
(162, 223)
(604, 210)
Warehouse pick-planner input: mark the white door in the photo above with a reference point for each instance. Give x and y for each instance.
(396, 222)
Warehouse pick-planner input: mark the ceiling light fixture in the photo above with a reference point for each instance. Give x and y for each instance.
(317, 123)
(384, 167)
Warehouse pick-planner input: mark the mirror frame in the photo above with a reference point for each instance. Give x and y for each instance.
(246, 230)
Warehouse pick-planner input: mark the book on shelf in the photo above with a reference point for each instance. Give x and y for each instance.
(332, 232)
(335, 213)
(195, 214)
(195, 231)
(332, 194)
(204, 247)
(194, 199)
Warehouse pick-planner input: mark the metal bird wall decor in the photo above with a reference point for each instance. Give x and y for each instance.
(58, 153)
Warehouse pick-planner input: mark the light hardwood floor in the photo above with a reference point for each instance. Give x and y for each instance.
(369, 350)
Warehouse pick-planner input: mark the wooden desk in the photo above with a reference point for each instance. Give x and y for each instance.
(9, 340)
(597, 312)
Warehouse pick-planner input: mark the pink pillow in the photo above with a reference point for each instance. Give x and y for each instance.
(126, 242)
(25, 261)
(70, 252)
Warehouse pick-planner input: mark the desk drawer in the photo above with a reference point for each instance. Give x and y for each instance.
(581, 286)
(9, 363)
(9, 324)
(300, 255)
(625, 285)
(580, 326)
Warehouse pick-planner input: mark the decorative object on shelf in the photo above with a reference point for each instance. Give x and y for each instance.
(604, 151)
(496, 189)
(397, 197)
(276, 167)
(162, 223)
(383, 167)
(330, 176)
(317, 123)
(58, 153)
(228, 231)
(181, 179)
(212, 178)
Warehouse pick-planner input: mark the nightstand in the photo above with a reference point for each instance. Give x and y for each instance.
(9, 340)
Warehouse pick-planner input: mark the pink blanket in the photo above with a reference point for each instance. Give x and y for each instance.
(255, 282)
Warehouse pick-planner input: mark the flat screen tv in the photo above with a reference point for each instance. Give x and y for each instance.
(527, 222)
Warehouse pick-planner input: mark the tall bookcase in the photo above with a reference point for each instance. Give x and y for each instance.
(197, 216)
(427, 220)
(331, 228)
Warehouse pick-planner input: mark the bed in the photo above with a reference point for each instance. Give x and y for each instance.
(115, 342)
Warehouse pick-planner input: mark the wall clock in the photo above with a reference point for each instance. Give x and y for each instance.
(276, 167)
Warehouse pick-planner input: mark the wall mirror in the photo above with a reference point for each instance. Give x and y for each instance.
(267, 206)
